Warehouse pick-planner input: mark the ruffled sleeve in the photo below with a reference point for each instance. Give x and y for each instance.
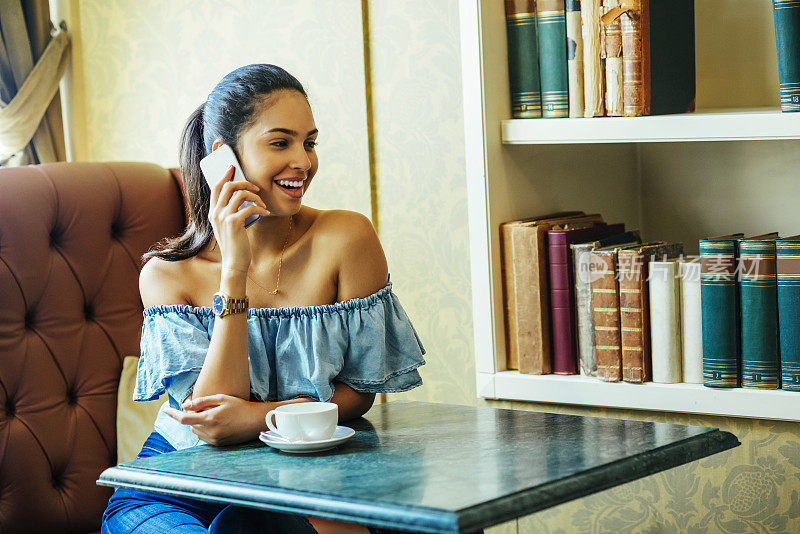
(384, 350)
(173, 347)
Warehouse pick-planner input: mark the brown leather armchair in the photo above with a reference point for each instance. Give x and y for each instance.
(71, 240)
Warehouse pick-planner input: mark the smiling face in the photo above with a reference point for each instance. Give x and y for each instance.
(279, 147)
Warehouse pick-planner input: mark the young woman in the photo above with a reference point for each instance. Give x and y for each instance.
(303, 308)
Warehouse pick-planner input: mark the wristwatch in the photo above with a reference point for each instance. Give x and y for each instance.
(224, 305)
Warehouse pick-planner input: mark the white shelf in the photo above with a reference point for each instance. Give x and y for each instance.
(735, 125)
(687, 398)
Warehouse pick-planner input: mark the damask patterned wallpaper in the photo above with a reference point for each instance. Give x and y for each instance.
(147, 64)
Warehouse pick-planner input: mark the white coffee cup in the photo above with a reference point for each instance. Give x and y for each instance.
(305, 421)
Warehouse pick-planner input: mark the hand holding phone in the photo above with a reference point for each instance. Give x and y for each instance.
(216, 165)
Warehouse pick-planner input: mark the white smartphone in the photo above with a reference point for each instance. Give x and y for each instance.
(214, 167)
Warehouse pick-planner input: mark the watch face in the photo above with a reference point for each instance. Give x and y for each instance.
(218, 304)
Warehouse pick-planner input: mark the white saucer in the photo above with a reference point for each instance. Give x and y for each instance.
(340, 435)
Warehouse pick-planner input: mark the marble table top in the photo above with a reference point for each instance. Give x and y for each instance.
(425, 467)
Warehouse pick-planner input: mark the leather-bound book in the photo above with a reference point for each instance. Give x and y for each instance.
(523, 59)
(613, 64)
(582, 262)
(665, 321)
(575, 57)
(552, 27)
(787, 40)
(593, 87)
(562, 291)
(605, 308)
(761, 362)
(634, 306)
(691, 322)
(526, 293)
(658, 49)
(788, 260)
(719, 296)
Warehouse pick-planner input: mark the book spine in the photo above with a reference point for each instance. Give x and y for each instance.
(509, 289)
(787, 41)
(634, 316)
(552, 27)
(788, 274)
(665, 322)
(561, 306)
(605, 308)
(592, 62)
(613, 56)
(633, 85)
(575, 58)
(720, 313)
(523, 59)
(759, 298)
(581, 259)
(691, 323)
(668, 57)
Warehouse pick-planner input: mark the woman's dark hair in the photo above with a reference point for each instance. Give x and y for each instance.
(229, 109)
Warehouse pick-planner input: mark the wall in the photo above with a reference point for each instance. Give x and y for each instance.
(145, 67)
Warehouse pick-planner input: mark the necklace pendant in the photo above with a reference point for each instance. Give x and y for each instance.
(274, 291)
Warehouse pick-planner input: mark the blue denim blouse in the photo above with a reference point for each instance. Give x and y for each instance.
(367, 343)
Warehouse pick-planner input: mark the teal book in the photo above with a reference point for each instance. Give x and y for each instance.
(523, 59)
(552, 25)
(787, 41)
(761, 363)
(719, 301)
(788, 270)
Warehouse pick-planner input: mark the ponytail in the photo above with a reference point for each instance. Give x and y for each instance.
(198, 231)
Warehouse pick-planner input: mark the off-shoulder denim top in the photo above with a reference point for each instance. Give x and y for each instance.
(367, 343)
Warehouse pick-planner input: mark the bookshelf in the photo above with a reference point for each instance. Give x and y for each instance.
(675, 177)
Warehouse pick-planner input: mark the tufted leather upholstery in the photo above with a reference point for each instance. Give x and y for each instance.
(71, 239)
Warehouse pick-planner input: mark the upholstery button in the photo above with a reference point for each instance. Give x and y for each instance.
(72, 397)
(57, 480)
(55, 237)
(10, 408)
(29, 320)
(115, 230)
(88, 312)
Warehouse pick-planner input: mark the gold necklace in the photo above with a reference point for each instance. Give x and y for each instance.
(280, 264)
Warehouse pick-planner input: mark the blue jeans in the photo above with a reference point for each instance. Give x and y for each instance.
(138, 512)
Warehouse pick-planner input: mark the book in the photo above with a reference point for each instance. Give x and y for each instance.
(605, 309)
(658, 49)
(562, 291)
(574, 57)
(582, 262)
(691, 322)
(786, 14)
(719, 298)
(552, 27)
(525, 287)
(593, 91)
(761, 363)
(665, 321)
(634, 306)
(523, 59)
(788, 276)
(612, 32)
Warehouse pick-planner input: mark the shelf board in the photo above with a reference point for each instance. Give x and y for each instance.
(724, 125)
(687, 398)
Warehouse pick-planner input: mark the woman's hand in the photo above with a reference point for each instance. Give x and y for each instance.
(228, 221)
(221, 419)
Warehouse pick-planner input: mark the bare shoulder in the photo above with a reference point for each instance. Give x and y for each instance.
(361, 262)
(160, 282)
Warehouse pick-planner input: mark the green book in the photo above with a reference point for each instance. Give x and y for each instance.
(719, 301)
(552, 26)
(759, 297)
(788, 273)
(787, 41)
(523, 59)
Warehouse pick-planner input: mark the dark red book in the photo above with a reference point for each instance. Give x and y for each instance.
(562, 291)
